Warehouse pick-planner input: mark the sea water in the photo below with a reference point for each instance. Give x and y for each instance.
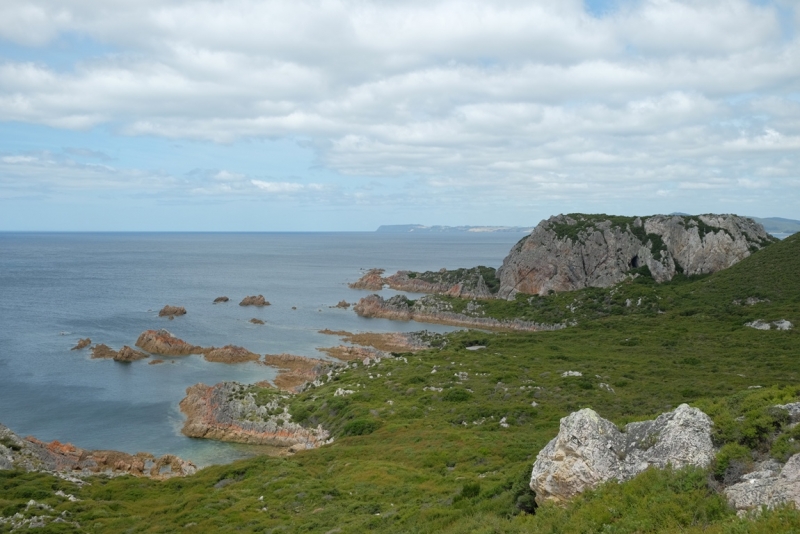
(58, 287)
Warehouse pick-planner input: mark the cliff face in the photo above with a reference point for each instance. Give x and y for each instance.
(569, 252)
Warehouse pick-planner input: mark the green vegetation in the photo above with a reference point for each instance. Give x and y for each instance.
(443, 440)
(470, 278)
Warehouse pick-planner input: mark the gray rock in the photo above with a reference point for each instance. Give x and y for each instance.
(590, 450)
(566, 253)
(758, 325)
(783, 324)
(768, 486)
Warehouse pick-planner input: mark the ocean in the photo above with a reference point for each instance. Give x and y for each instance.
(58, 287)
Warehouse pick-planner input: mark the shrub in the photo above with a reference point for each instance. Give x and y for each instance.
(360, 427)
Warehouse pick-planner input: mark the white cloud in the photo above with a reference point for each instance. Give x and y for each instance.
(657, 98)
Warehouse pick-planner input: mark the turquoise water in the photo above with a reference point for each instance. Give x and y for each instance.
(57, 288)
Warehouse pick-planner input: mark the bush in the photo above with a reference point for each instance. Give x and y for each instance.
(360, 427)
(456, 395)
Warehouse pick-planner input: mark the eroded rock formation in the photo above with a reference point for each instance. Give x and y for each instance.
(171, 311)
(32, 454)
(590, 450)
(228, 411)
(229, 354)
(257, 300)
(82, 344)
(164, 343)
(569, 252)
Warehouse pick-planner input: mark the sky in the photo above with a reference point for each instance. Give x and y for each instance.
(343, 115)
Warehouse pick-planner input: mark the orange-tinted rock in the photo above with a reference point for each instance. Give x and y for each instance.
(172, 311)
(230, 354)
(372, 280)
(164, 343)
(257, 300)
(127, 354)
(82, 344)
(103, 351)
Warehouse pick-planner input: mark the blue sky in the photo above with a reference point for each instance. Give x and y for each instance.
(345, 115)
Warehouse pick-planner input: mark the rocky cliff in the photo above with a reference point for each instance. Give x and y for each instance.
(569, 252)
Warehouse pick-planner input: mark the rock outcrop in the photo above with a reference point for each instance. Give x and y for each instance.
(171, 311)
(569, 252)
(770, 484)
(257, 300)
(230, 354)
(221, 299)
(464, 283)
(125, 354)
(31, 454)
(430, 309)
(590, 450)
(295, 371)
(255, 320)
(164, 343)
(82, 344)
(228, 411)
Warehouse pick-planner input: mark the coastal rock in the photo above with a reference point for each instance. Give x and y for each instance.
(295, 371)
(228, 412)
(82, 344)
(125, 354)
(569, 252)
(230, 354)
(164, 343)
(256, 321)
(221, 299)
(372, 280)
(431, 309)
(257, 300)
(171, 311)
(464, 283)
(102, 351)
(342, 304)
(590, 450)
(31, 454)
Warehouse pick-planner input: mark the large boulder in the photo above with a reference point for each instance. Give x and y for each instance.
(770, 485)
(590, 450)
(569, 252)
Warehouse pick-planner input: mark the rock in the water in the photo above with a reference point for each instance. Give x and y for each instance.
(590, 450)
(221, 299)
(164, 343)
(82, 344)
(256, 321)
(342, 304)
(230, 354)
(127, 354)
(103, 351)
(257, 300)
(172, 311)
(569, 252)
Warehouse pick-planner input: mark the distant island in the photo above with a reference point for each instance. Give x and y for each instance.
(777, 226)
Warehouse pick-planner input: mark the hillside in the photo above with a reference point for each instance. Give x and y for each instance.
(443, 440)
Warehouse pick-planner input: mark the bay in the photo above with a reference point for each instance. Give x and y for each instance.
(58, 287)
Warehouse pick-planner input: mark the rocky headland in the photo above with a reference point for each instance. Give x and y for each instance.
(257, 300)
(31, 454)
(229, 411)
(569, 252)
(430, 309)
(477, 282)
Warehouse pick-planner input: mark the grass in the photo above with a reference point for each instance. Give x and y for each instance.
(443, 440)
